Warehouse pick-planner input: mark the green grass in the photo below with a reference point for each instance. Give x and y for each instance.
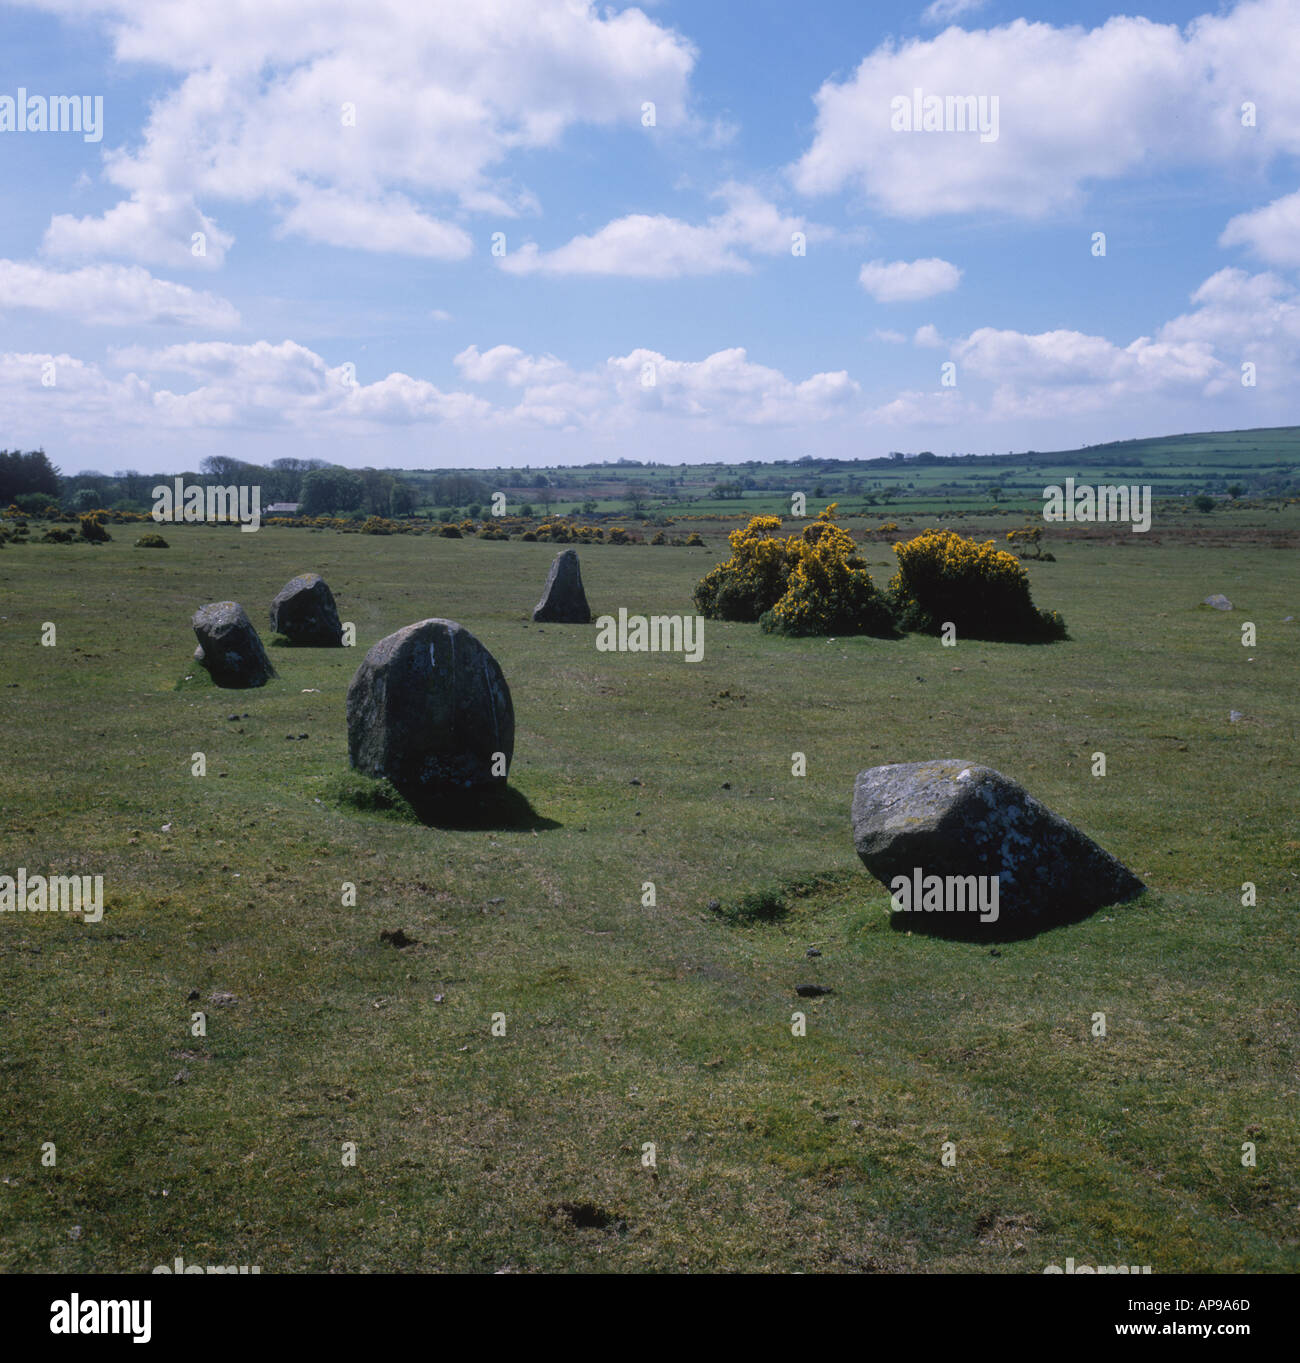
(628, 1024)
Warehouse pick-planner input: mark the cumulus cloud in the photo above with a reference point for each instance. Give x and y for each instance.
(656, 246)
(1076, 105)
(161, 229)
(304, 103)
(903, 281)
(111, 295)
(1272, 232)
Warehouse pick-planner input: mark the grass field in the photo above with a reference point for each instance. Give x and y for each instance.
(626, 1024)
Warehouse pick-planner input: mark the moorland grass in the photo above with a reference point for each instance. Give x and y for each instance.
(628, 1024)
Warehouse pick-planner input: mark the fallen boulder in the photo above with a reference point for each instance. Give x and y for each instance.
(304, 612)
(563, 600)
(229, 647)
(429, 709)
(1218, 601)
(967, 852)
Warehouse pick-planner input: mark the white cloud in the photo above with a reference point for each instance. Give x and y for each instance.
(392, 224)
(903, 281)
(928, 336)
(945, 11)
(889, 337)
(111, 295)
(1076, 105)
(1272, 232)
(154, 228)
(507, 364)
(660, 247)
(304, 102)
(647, 400)
(727, 387)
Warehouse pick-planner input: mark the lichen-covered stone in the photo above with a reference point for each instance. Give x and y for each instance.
(430, 710)
(304, 612)
(563, 600)
(229, 646)
(953, 818)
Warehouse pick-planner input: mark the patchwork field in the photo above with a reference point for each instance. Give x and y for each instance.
(625, 1024)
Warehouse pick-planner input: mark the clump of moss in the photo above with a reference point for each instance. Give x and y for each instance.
(366, 795)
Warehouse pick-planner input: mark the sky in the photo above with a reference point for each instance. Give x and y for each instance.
(418, 234)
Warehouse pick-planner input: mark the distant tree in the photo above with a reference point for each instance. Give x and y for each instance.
(1235, 490)
(332, 489)
(31, 472)
(637, 495)
(1203, 502)
(455, 489)
(225, 469)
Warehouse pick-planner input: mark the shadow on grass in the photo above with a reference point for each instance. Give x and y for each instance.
(499, 809)
(1013, 927)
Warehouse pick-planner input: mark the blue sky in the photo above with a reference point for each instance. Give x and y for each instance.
(348, 166)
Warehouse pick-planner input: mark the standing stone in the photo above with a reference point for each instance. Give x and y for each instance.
(1218, 601)
(563, 600)
(229, 647)
(305, 613)
(430, 710)
(951, 818)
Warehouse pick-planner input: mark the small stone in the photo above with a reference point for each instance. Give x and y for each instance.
(192, 995)
(563, 600)
(229, 646)
(1218, 601)
(714, 905)
(811, 952)
(305, 613)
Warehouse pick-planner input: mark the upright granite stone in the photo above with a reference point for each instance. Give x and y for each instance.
(955, 819)
(563, 600)
(229, 647)
(430, 710)
(305, 613)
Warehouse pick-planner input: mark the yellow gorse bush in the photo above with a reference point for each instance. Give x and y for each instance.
(945, 578)
(809, 583)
